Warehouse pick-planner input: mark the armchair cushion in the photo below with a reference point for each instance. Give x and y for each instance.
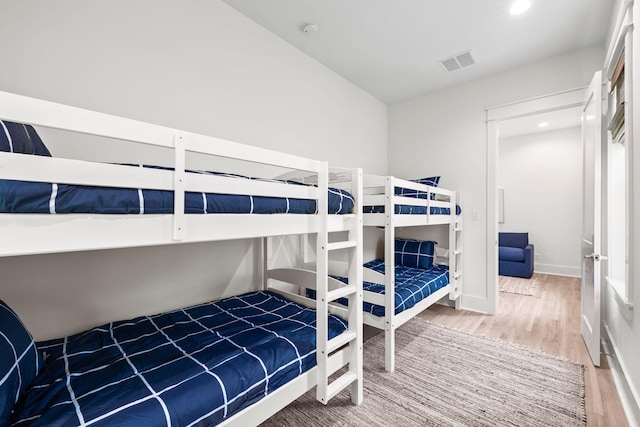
(513, 240)
(506, 253)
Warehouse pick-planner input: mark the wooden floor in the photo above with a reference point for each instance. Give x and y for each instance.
(548, 321)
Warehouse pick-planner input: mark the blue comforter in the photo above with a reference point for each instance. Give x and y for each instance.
(50, 198)
(412, 285)
(413, 210)
(193, 366)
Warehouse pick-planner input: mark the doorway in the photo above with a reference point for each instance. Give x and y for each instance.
(540, 187)
(499, 119)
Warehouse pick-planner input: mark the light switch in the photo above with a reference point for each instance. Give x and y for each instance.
(475, 216)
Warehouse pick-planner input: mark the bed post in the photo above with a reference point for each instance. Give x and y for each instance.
(356, 259)
(179, 184)
(389, 276)
(322, 286)
(264, 262)
(455, 252)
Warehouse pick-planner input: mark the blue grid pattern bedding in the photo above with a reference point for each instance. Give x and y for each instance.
(51, 198)
(412, 285)
(413, 210)
(193, 366)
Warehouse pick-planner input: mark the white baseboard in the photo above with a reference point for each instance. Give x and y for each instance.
(559, 270)
(481, 305)
(629, 396)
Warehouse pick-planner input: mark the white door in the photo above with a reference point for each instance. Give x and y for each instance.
(590, 284)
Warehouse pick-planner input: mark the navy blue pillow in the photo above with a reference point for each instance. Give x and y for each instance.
(406, 192)
(19, 363)
(21, 138)
(415, 253)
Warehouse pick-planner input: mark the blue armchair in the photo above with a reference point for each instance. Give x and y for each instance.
(515, 255)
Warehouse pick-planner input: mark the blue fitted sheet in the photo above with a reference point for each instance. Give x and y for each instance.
(49, 198)
(193, 366)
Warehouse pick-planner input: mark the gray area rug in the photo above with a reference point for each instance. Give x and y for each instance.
(445, 377)
(516, 285)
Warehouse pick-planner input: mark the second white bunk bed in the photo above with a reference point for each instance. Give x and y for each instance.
(391, 203)
(331, 336)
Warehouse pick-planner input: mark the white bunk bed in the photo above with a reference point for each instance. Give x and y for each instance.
(31, 233)
(385, 208)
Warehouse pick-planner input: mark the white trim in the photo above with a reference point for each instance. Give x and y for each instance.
(477, 304)
(492, 216)
(536, 105)
(629, 396)
(623, 24)
(558, 270)
(626, 306)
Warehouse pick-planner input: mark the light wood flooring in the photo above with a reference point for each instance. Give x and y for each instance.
(548, 321)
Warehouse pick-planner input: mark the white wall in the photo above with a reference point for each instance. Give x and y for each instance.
(196, 65)
(541, 174)
(444, 133)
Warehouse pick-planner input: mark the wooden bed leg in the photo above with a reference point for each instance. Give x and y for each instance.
(389, 349)
(357, 394)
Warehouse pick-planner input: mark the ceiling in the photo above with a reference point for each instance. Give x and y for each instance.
(557, 119)
(391, 48)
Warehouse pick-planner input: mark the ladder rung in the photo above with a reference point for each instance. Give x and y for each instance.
(341, 292)
(340, 340)
(341, 245)
(340, 383)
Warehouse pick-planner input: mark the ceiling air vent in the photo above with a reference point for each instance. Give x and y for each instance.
(458, 61)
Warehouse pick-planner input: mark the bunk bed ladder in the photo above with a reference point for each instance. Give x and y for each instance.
(455, 252)
(352, 337)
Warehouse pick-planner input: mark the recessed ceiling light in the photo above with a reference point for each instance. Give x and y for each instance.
(520, 6)
(543, 125)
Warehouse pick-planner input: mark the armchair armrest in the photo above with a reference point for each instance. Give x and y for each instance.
(528, 257)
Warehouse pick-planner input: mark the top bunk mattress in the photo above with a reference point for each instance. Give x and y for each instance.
(413, 210)
(193, 366)
(52, 198)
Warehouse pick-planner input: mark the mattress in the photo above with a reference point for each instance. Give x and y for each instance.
(51, 198)
(193, 366)
(413, 210)
(412, 285)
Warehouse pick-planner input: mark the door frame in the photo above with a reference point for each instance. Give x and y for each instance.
(494, 115)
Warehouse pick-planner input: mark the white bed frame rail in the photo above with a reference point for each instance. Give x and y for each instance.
(379, 191)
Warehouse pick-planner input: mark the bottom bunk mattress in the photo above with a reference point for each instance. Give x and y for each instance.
(192, 366)
(412, 285)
